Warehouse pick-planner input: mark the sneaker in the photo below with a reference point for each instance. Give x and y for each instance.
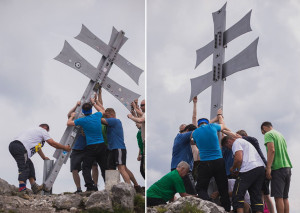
(37, 188)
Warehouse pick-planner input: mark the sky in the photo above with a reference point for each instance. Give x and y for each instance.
(269, 92)
(35, 88)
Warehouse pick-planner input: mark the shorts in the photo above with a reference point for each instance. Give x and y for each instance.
(280, 183)
(76, 159)
(25, 165)
(266, 187)
(116, 157)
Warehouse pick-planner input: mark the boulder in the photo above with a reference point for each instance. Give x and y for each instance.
(67, 201)
(122, 195)
(6, 188)
(17, 204)
(188, 202)
(99, 201)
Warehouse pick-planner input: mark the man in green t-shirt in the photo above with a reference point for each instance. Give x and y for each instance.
(164, 190)
(278, 166)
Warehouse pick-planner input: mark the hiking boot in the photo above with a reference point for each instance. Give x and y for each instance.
(23, 194)
(37, 188)
(138, 189)
(94, 188)
(78, 191)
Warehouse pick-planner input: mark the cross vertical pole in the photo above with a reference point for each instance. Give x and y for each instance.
(219, 19)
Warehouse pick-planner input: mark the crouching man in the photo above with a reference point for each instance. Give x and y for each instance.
(164, 190)
(24, 147)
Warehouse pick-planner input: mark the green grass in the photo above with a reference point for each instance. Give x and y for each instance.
(139, 204)
(161, 209)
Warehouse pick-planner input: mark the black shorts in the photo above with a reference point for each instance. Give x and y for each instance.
(25, 165)
(116, 157)
(266, 187)
(280, 183)
(76, 159)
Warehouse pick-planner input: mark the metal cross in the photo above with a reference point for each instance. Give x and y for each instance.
(98, 78)
(215, 78)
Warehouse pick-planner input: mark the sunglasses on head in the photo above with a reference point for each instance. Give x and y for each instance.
(142, 105)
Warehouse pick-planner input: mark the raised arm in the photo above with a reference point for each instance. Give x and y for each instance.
(98, 106)
(70, 121)
(194, 116)
(137, 109)
(100, 96)
(135, 119)
(74, 108)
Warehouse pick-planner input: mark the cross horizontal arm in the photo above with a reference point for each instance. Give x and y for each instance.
(87, 37)
(73, 59)
(244, 60)
(124, 95)
(238, 29)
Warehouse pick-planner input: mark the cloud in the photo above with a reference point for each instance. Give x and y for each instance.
(35, 88)
(268, 92)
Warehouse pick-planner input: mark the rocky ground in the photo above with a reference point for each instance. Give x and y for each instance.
(187, 205)
(121, 198)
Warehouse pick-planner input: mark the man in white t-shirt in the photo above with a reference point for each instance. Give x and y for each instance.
(24, 147)
(250, 171)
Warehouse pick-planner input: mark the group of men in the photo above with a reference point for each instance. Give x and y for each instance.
(100, 141)
(237, 168)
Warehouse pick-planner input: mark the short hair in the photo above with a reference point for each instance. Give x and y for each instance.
(45, 126)
(267, 124)
(242, 132)
(110, 111)
(224, 140)
(87, 107)
(190, 127)
(183, 164)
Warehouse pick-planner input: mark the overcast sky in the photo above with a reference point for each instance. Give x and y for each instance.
(176, 29)
(35, 88)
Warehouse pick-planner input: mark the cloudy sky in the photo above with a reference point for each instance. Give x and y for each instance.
(176, 29)
(35, 88)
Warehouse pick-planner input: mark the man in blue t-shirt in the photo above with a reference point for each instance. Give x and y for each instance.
(116, 146)
(95, 149)
(211, 160)
(182, 151)
(77, 155)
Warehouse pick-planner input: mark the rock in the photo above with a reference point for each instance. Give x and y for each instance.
(17, 204)
(6, 188)
(112, 177)
(122, 195)
(188, 202)
(120, 198)
(99, 201)
(67, 201)
(74, 210)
